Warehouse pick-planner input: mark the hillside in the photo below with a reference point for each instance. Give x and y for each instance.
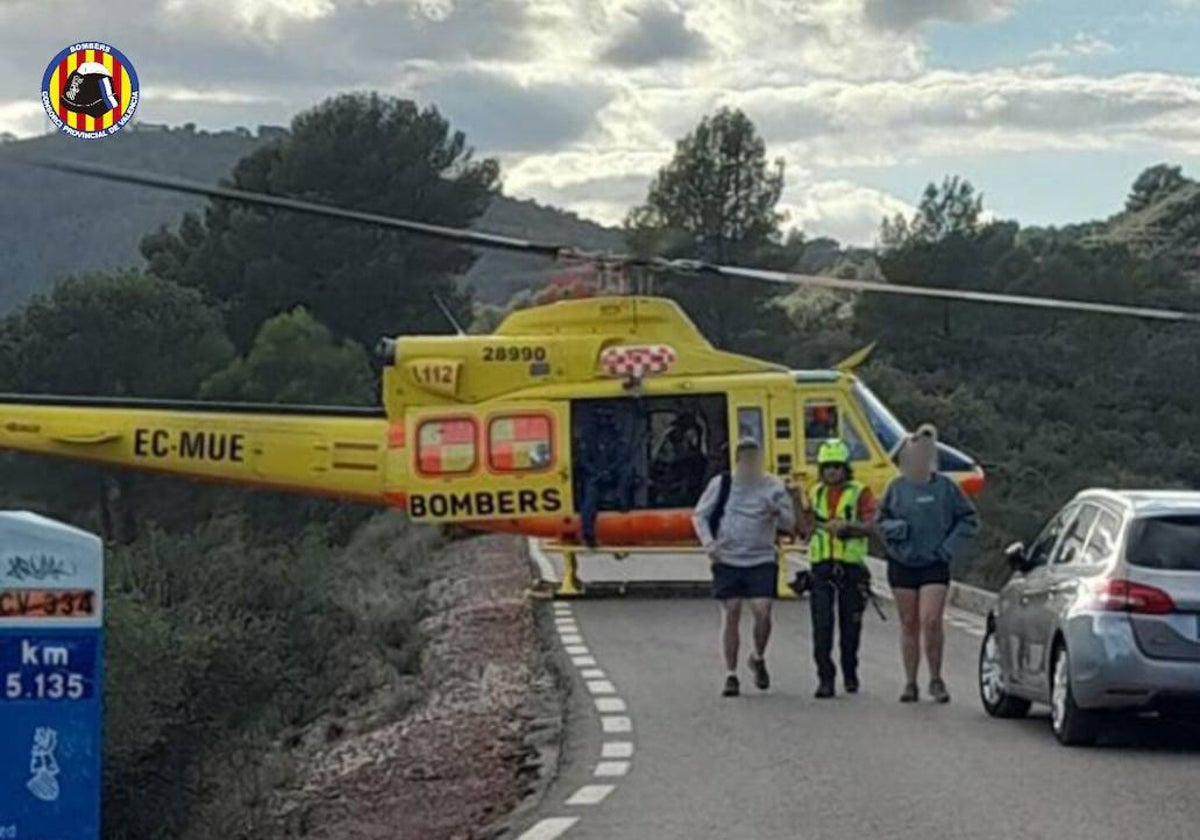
(1168, 225)
(55, 224)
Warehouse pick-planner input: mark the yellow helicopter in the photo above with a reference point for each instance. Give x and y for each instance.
(595, 420)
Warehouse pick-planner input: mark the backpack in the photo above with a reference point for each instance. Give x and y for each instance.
(718, 511)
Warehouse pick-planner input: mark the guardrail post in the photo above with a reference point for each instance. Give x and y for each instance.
(571, 584)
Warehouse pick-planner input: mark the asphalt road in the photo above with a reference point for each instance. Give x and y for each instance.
(785, 765)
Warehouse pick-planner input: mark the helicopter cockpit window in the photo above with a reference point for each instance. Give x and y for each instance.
(859, 451)
(820, 424)
(888, 430)
(520, 443)
(446, 447)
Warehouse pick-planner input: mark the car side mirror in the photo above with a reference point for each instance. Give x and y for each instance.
(1017, 557)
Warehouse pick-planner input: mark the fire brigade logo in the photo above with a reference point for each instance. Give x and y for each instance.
(90, 90)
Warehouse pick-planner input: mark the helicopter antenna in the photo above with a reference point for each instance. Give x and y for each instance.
(441, 304)
(651, 266)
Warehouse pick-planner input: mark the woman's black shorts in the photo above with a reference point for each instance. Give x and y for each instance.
(914, 577)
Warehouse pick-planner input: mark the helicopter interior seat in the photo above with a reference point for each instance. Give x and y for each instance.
(674, 456)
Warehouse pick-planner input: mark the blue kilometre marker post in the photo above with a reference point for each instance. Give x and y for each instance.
(51, 679)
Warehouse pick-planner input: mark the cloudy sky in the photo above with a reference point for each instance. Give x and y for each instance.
(1051, 107)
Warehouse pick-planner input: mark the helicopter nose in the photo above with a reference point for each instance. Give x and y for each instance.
(972, 483)
(385, 351)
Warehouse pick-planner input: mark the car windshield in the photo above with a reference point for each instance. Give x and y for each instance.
(1166, 542)
(884, 424)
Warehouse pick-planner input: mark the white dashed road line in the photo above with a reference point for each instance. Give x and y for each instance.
(616, 723)
(549, 829)
(617, 749)
(612, 768)
(615, 755)
(591, 794)
(608, 705)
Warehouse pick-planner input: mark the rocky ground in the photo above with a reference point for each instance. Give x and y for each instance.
(463, 758)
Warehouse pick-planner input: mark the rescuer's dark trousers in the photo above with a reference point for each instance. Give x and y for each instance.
(589, 507)
(836, 598)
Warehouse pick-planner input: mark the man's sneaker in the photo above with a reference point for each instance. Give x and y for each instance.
(911, 694)
(732, 687)
(852, 685)
(937, 690)
(824, 690)
(762, 680)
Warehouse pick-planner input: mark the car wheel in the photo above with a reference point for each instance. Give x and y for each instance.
(996, 701)
(1073, 726)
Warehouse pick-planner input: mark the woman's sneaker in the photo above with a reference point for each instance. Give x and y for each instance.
(937, 690)
(733, 687)
(762, 680)
(911, 694)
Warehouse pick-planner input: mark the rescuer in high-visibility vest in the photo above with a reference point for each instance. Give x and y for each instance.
(843, 514)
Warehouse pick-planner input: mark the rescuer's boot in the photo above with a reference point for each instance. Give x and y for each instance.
(937, 690)
(762, 680)
(911, 694)
(851, 684)
(733, 686)
(824, 690)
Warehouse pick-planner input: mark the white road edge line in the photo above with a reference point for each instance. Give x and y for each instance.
(544, 566)
(591, 794)
(592, 674)
(571, 638)
(549, 828)
(576, 650)
(581, 661)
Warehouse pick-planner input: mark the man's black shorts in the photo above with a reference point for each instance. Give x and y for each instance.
(759, 581)
(914, 577)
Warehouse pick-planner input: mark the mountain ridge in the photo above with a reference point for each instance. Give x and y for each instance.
(66, 224)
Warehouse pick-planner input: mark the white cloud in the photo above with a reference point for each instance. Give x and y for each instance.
(658, 33)
(22, 117)
(214, 96)
(261, 18)
(583, 100)
(848, 212)
(908, 14)
(1080, 46)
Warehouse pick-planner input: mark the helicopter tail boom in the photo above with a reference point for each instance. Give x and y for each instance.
(335, 452)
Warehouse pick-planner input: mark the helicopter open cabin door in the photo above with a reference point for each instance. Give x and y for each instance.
(470, 465)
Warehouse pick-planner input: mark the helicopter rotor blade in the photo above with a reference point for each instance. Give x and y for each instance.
(182, 185)
(850, 285)
(557, 252)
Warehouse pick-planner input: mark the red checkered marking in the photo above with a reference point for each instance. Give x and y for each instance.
(637, 362)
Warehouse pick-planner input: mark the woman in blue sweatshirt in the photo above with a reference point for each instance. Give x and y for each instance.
(925, 521)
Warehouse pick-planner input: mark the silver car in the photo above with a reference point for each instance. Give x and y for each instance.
(1101, 614)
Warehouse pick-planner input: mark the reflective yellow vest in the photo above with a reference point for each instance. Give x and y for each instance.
(824, 546)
